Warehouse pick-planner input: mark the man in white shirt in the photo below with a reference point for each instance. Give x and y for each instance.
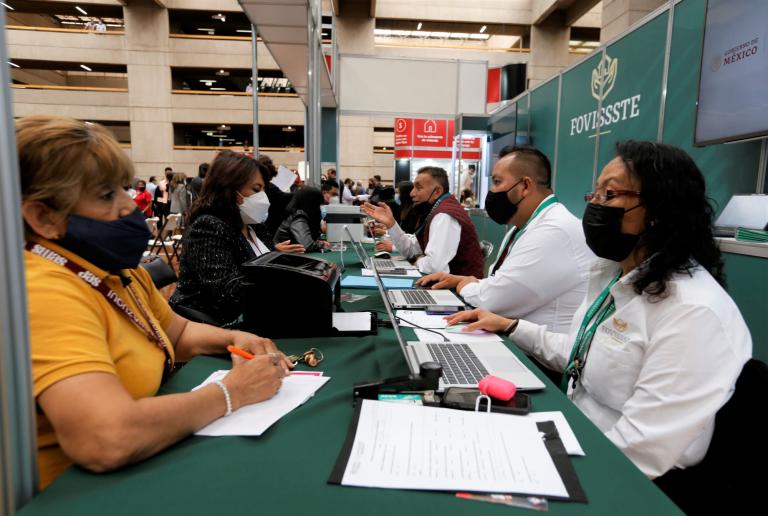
(445, 240)
(468, 178)
(543, 263)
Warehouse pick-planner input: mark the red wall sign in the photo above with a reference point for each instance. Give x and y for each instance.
(430, 138)
(403, 132)
(430, 133)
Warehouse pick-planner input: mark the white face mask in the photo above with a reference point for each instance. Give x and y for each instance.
(334, 200)
(255, 208)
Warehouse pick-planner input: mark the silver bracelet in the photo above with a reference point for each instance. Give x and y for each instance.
(226, 396)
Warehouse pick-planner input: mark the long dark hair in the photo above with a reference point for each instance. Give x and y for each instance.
(307, 199)
(678, 215)
(228, 173)
(406, 203)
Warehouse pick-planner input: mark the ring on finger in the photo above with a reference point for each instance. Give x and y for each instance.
(274, 358)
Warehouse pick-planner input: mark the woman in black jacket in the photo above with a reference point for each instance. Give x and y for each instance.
(301, 224)
(225, 229)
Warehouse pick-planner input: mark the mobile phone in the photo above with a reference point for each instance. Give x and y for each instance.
(443, 309)
(464, 399)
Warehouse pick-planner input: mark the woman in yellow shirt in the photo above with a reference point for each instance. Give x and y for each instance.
(102, 337)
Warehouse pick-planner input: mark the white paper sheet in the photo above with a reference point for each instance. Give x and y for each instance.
(421, 318)
(570, 442)
(410, 273)
(352, 321)
(432, 336)
(257, 418)
(403, 446)
(284, 178)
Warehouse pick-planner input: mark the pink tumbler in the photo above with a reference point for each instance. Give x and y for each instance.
(497, 388)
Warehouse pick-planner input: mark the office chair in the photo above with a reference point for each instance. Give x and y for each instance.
(730, 479)
(161, 273)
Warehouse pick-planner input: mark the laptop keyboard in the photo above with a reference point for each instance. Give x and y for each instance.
(384, 264)
(419, 297)
(459, 362)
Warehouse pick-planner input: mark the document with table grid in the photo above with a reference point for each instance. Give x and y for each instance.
(414, 447)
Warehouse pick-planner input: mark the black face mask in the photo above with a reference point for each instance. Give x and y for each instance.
(428, 202)
(602, 229)
(499, 207)
(113, 245)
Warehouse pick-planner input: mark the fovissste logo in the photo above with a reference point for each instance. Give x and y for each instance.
(604, 77)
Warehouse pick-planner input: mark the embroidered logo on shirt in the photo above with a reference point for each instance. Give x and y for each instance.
(614, 335)
(620, 324)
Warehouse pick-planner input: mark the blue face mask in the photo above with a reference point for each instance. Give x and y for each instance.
(323, 212)
(397, 199)
(113, 245)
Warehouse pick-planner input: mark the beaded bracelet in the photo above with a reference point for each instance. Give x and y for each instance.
(226, 396)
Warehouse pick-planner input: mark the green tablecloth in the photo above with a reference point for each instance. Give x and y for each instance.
(285, 470)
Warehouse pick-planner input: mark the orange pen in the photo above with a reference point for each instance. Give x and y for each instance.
(240, 352)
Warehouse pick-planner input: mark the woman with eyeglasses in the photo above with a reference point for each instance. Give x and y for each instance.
(656, 348)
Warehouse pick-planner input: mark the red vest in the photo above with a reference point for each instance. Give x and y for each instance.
(469, 258)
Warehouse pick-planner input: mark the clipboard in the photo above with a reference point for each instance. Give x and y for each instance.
(552, 443)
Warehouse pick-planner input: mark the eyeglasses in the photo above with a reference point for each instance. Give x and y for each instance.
(609, 195)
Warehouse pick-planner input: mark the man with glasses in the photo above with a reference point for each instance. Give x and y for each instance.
(542, 267)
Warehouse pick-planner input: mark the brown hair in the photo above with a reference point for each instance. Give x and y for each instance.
(226, 176)
(62, 158)
(178, 179)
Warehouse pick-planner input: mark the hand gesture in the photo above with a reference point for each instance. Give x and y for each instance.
(382, 213)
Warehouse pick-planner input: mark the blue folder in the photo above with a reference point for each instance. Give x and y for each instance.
(370, 282)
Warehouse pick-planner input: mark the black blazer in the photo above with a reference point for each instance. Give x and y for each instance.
(210, 265)
(296, 229)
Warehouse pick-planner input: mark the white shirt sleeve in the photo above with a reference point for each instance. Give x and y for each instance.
(552, 349)
(406, 243)
(346, 196)
(538, 268)
(444, 238)
(677, 378)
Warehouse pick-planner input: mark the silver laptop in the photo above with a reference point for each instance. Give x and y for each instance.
(464, 365)
(376, 263)
(412, 298)
(747, 211)
(422, 299)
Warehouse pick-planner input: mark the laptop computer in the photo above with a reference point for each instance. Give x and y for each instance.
(413, 298)
(464, 364)
(423, 299)
(746, 211)
(376, 263)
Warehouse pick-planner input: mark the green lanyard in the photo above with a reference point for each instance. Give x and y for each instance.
(598, 313)
(549, 202)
